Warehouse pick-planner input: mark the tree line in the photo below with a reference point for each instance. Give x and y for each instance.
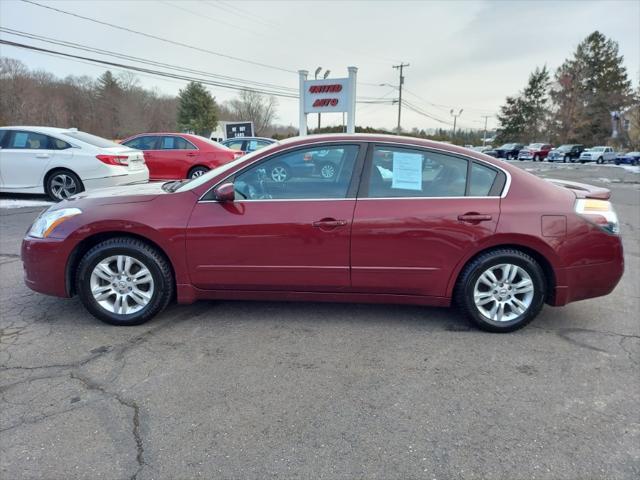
(588, 100)
(117, 106)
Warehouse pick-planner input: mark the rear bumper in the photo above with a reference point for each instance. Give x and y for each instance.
(120, 177)
(44, 264)
(587, 281)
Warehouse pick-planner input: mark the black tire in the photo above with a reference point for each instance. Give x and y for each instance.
(617, 162)
(464, 292)
(573, 160)
(600, 161)
(53, 188)
(582, 162)
(280, 173)
(155, 262)
(327, 170)
(536, 158)
(197, 171)
(564, 159)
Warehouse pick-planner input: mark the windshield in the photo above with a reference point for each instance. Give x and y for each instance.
(507, 146)
(597, 149)
(202, 179)
(564, 148)
(536, 146)
(91, 139)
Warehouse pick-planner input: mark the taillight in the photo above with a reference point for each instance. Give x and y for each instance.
(599, 212)
(114, 159)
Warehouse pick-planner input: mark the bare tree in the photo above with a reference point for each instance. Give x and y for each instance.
(255, 107)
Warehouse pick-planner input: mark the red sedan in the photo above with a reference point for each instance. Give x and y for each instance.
(403, 220)
(172, 156)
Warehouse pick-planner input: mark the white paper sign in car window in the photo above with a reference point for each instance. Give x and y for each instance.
(407, 171)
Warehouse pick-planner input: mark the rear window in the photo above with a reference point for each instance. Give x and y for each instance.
(91, 139)
(482, 179)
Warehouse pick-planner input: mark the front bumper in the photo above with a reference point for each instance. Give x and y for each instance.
(44, 263)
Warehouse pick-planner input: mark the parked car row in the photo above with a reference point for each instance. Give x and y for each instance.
(538, 152)
(61, 162)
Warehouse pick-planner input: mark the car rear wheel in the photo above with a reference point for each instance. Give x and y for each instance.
(279, 173)
(124, 281)
(197, 171)
(62, 184)
(501, 291)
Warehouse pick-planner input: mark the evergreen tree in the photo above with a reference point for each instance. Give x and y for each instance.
(110, 96)
(588, 88)
(197, 110)
(524, 118)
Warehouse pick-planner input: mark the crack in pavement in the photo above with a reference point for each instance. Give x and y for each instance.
(72, 370)
(565, 334)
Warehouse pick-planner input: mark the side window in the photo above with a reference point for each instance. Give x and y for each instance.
(145, 142)
(235, 145)
(302, 174)
(175, 143)
(262, 143)
(57, 144)
(482, 179)
(4, 134)
(403, 172)
(29, 140)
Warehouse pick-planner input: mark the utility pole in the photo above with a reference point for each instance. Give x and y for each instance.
(400, 83)
(455, 119)
(484, 137)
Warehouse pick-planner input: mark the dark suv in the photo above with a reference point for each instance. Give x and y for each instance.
(508, 151)
(564, 153)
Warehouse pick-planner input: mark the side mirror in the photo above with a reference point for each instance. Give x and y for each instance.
(225, 192)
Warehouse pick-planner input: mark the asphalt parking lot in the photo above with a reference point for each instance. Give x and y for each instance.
(292, 390)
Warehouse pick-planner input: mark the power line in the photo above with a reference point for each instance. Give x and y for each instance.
(154, 37)
(123, 56)
(155, 72)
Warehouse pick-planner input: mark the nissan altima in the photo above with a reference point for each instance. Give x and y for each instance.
(402, 220)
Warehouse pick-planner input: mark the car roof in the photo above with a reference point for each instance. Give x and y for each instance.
(251, 138)
(50, 130)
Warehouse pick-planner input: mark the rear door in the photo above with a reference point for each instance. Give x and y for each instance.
(174, 157)
(289, 235)
(25, 159)
(149, 145)
(418, 213)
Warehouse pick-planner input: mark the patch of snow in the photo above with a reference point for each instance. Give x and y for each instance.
(19, 203)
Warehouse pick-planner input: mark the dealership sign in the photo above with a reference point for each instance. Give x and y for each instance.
(238, 129)
(328, 96)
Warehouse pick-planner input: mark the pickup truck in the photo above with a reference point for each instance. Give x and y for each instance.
(598, 155)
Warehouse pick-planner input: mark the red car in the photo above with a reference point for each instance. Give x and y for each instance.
(403, 220)
(172, 156)
(535, 151)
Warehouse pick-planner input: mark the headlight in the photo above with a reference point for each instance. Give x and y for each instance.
(600, 212)
(49, 220)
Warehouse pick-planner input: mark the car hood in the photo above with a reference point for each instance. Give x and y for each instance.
(135, 192)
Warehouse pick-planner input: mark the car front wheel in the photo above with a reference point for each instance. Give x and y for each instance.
(124, 281)
(501, 291)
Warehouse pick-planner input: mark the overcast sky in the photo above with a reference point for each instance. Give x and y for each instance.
(463, 54)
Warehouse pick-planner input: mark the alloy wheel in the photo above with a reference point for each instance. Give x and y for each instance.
(503, 292)
(328, 171)
(279, 174)
(121, 284)
(63, 186)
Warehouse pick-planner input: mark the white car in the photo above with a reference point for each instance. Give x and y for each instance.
(61, 162)
(598, 155)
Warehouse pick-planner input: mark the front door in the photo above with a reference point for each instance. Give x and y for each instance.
(418, 213)
(278, 235)
(174, 157)
(25, 158)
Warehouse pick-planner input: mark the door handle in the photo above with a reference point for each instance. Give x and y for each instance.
(191, 154)
(42, 155)
(473, 217)
(329, 223)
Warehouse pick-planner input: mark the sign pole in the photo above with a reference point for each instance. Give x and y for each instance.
(351, 111)
(303, 116)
